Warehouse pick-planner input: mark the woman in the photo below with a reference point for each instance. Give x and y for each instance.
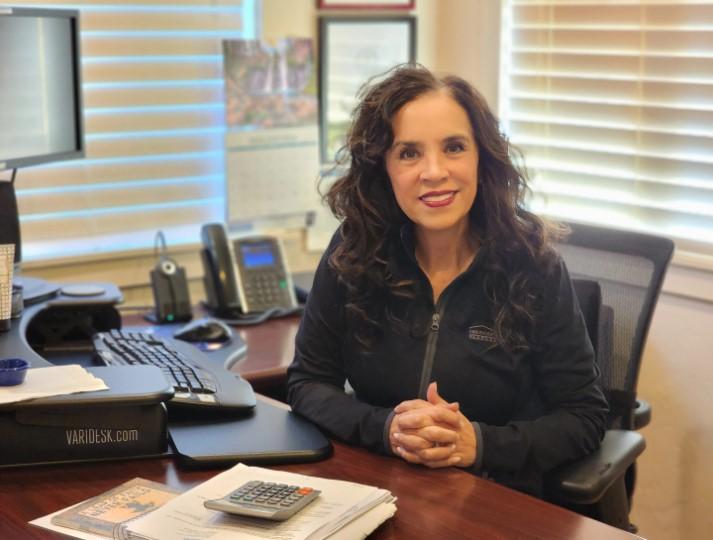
(438, 275)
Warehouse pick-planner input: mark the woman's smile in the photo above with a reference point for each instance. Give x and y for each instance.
(436, 199)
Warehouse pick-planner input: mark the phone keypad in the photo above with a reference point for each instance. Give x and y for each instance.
(265, 289)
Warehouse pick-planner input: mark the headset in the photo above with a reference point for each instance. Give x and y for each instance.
(170, 287)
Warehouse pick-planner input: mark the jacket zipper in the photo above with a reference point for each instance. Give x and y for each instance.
(430, 351)
(432, 339)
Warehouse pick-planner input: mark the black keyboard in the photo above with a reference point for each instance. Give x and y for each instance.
(196, 382)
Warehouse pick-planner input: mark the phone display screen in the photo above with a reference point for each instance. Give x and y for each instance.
(257, 254)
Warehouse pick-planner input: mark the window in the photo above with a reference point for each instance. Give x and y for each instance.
(612, 103)
(154, 118)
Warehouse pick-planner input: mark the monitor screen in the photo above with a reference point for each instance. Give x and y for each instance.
(40, 87)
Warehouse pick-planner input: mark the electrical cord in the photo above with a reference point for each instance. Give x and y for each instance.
(252, 319)
(159, 246)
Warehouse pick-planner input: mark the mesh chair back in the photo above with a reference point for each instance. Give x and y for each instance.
(630, 268)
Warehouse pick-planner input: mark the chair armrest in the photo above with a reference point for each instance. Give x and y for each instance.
(642, 414)
(586, 480)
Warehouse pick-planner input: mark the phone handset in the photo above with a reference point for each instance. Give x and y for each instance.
(219, 276)
(247, 274)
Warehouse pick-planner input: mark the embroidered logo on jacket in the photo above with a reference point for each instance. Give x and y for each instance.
(481, 333)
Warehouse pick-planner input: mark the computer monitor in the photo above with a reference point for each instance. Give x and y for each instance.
(41, 118)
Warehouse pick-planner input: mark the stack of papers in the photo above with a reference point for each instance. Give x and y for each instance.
(52, 381)
(344, 510)
(140, 510)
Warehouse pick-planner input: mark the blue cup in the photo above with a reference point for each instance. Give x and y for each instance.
(13, 371)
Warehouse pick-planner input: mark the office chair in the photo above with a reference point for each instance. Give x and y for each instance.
(629, 269)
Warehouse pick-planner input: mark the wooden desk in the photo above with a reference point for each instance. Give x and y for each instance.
(432, 504)
(271, 346)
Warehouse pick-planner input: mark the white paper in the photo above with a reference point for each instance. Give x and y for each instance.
(52, 381)
(359, 528)
(366, 524)
(186, 517)
(271, 172)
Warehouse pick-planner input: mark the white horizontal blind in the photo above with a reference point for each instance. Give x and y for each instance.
(154, 118)
(612, 103)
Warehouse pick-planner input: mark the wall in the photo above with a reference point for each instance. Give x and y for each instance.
(675, 484)
(675, 475)
(468, 42)
(452, 35)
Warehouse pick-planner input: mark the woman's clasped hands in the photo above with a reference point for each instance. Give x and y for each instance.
(432, 432)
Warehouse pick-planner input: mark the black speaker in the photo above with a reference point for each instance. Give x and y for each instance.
(9, 220)
(170, 292)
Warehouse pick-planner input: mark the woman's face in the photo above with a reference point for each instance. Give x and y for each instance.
(433, 163)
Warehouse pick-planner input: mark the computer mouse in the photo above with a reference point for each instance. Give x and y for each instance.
(204, 330)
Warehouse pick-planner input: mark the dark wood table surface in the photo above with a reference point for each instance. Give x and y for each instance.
(271, 346)
(432, 504)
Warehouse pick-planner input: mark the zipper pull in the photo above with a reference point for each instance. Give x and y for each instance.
(435, 320)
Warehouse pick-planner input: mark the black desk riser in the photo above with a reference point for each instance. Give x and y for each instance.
(61, 323)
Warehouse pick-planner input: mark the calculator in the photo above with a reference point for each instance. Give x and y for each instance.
(267, 500)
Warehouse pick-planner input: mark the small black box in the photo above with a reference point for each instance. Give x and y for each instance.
(128, 420)
(170, 292)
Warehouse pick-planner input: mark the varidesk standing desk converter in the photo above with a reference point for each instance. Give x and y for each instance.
(127, 420)
(267, 435)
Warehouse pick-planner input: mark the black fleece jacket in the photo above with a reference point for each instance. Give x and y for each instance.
(531, 410)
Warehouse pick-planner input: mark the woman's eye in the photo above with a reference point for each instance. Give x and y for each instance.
(408, 153)
(455, 147)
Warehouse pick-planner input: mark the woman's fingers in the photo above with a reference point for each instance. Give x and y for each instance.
(428, 416)
(435, 458)
(411, 404)
(424, 438)
(430, 432)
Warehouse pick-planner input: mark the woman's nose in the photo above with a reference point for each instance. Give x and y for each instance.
(434, 167)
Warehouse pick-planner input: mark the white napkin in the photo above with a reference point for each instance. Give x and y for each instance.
(52, 381)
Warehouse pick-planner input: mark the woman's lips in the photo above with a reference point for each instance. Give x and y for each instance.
(435, 199)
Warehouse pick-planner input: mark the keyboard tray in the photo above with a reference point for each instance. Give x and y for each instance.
(223, 390)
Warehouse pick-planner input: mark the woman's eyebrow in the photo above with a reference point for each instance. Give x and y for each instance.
(404, 143)
(449, 139)
(456, 138)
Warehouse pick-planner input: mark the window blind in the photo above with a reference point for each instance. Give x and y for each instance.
(612, 103)
(154, 118)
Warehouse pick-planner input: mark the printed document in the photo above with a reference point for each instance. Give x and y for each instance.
(338, 506)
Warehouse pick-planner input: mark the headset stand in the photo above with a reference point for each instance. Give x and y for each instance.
(35, 290)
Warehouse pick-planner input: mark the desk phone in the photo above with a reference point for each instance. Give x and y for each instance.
(266, 500)
(247, 274)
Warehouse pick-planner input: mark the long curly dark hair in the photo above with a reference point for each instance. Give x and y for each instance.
(518, 243)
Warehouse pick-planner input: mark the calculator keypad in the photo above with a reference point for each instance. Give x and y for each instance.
(269, 494)
(265, 499)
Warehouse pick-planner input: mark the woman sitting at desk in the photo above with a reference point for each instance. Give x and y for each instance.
(439, 275)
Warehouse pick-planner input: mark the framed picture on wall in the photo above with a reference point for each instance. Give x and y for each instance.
(366, 4)
(352, 51)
